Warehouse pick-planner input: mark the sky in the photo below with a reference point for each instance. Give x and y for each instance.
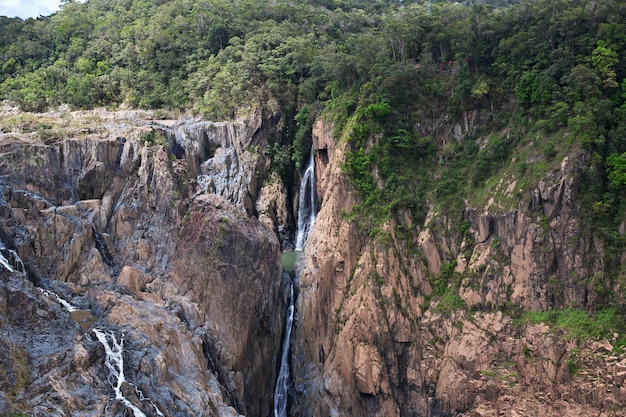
(28, 8)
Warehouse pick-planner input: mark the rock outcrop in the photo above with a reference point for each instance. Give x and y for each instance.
(377, 336)
(152, 229)
(166, 236)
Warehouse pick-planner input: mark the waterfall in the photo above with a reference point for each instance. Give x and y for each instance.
(306, 203)
(114, 361)
(4, 262)
(70, 308)
(282, 383)
(17, 261)
(307, 211)
(84, 318)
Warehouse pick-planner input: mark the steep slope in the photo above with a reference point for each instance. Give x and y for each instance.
(429, 320)
(148, 227)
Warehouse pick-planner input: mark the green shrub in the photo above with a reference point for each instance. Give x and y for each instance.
(450, 302)
(576, 323)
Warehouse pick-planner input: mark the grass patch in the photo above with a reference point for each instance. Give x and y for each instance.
(450, 302)
(576, 323)
(23, 123)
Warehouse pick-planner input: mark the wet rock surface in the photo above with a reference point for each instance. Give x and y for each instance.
(152, 232)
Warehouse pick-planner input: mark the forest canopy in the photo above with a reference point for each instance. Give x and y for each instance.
(377, 68)
(218, 57)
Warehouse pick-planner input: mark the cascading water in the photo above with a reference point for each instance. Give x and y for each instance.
(114, 361)
(17, 261)
(307, 209)
(70, 308)
(5, 262)
(307, 212)
(282, 383)
(84, 318)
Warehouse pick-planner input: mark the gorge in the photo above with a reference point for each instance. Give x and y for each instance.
(307, 213)
(156, 234)
(314, 208)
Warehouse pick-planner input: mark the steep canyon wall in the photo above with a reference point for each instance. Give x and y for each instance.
(151, 228)
(374, 338)
(169, 233)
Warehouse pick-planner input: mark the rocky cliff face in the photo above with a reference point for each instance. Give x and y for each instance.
(375, 338)
(149, 228)
(165, 235)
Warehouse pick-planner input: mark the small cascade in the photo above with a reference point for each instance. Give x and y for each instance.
(4, 262)
(232, 134)
(282, 383)
(15, 264)
(70, 308)
(114, 361)
(176, 141)
(307, 205)
(84, 318)
(199, 138)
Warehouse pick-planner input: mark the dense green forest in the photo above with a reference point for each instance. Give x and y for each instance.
(549, 69)
(214, 56)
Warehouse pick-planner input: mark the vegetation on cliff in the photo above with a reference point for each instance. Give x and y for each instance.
(524, 85)
(472, 251)
(551, 66)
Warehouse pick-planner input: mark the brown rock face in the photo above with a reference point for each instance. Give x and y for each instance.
(169, 234)
(368, 369)
(271, 207)
(373, 338)
(133, 280)
(151, 229)
(236, 301)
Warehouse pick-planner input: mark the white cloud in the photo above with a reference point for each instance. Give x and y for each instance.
(28, 8)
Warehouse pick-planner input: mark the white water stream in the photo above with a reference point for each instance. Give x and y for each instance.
(61, 301)
(114, 361)
(307, 210)
(4, 262)
(282, 383)
(17, 261)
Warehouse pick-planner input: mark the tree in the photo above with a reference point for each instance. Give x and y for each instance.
(605, 59)
(616, 165)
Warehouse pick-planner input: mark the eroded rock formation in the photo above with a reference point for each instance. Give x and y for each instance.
(151, 228)
(170, 233)
(374, 339)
